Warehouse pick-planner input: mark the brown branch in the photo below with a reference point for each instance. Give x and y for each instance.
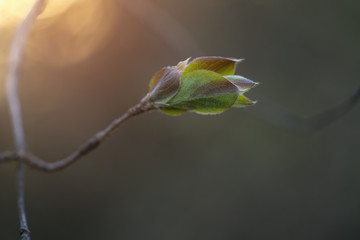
(327, 117)
(283, 118)
(89, 145)
(7, 157)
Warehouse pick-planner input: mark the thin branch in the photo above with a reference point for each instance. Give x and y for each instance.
(24, 229)
(7, 157)
(327, 117)
(281, 117)
(89, 145)
(12, 80)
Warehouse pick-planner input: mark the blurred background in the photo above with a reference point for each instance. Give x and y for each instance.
(229, 176)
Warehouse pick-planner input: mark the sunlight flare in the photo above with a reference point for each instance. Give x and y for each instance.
(66, 32)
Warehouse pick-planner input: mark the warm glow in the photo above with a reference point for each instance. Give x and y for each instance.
(13, 10)
(66, 32)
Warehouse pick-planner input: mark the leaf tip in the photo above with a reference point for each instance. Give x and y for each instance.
(182, 64)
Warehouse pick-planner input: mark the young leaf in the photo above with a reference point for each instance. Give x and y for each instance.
(243, 101)
(172, 111)
(220, 65)
(164, 84)
(205, 92)
(242, 83)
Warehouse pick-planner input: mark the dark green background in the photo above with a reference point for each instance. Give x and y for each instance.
(230, 176)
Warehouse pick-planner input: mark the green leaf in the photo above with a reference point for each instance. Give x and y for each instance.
(172, 111)
(220, 65)
(205, 92)
(164, 84)
(242, 83)
(243, 101)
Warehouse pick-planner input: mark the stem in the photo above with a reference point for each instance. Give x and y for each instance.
(12, 80)
(283, 118)
(7, 156)
(90, 144)
(24, 229)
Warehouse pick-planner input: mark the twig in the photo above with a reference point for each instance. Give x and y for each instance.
(85, 148)
(326, 117)
(277, 115)
(88, 146)
(24, 229)
(91, 144)
(7, 157)
(12, 80)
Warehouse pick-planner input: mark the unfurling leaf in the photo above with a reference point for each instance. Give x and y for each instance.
(206, 85)
(164, 84)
